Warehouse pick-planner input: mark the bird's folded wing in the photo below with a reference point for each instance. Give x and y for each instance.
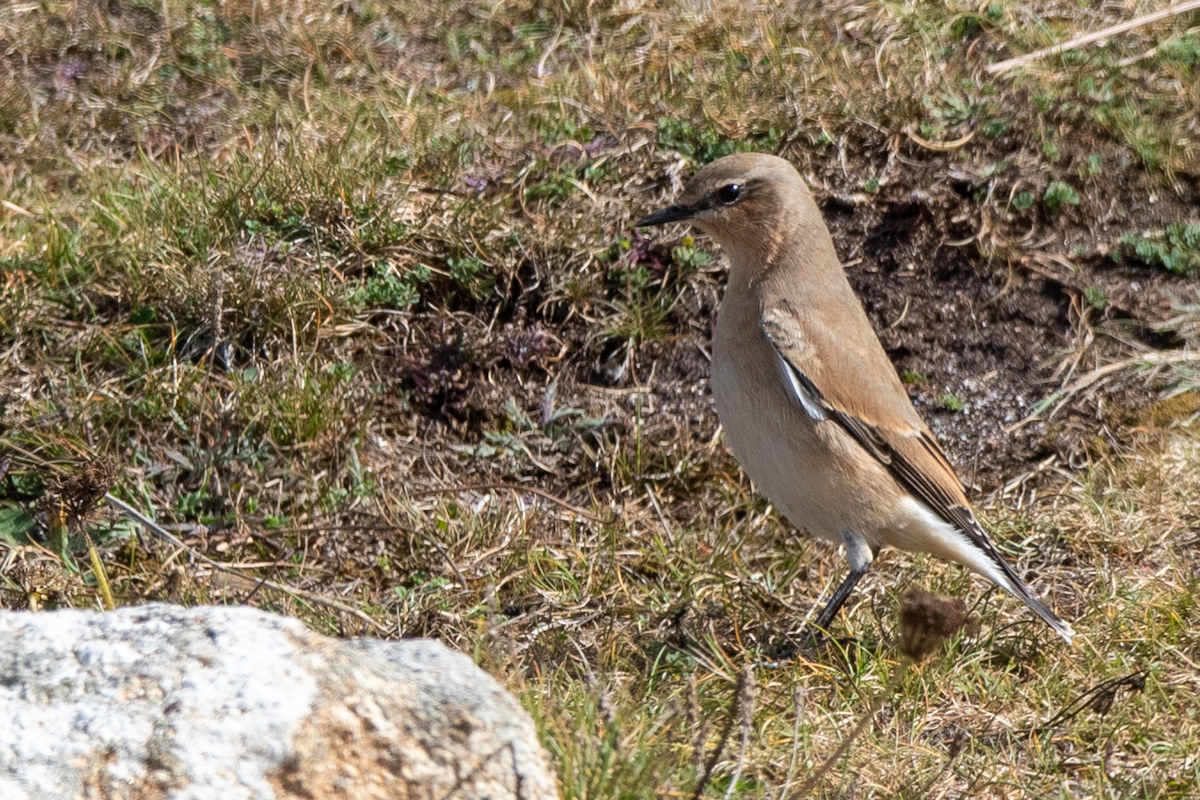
(863, 395)
(840, 375)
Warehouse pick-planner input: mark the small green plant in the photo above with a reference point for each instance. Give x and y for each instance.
(966, 26)
(1176, 249)
(1022, 201)
(912, 376)
(191, 504)
(994, 128)
(17, 526)
(1058, 194)
(555, 185)
(707, 144)
(1183, 50)
(1095, 297)
(950, 110)
(950, 402)
(690, 257)
(386, 289)
(701, 144)
(471, 274)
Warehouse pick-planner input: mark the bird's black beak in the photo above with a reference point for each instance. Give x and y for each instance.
(668, 214)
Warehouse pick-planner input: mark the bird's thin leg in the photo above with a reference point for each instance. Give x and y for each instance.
(839, 598)
(860, 555)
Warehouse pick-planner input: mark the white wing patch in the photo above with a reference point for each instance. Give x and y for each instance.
(782, 334)
(810, 402)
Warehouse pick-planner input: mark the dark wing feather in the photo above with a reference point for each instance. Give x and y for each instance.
(909, 457)
(906, 447)
(844, 377)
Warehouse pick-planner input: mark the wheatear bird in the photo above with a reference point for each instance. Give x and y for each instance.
(812, 406)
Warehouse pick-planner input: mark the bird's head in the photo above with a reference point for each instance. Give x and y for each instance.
(745, 201)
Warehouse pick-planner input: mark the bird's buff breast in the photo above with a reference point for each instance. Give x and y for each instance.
(803, 466)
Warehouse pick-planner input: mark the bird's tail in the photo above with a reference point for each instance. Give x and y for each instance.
(966, 542)
(991, 564)
(1017, 589)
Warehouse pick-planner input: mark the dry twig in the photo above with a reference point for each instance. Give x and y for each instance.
(1088, 38)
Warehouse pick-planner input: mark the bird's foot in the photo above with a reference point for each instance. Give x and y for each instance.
(811, 643)
(817, 642)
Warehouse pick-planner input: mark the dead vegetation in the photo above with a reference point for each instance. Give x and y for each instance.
(344, 301)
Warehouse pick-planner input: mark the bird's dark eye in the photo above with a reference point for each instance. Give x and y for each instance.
(729, 193)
